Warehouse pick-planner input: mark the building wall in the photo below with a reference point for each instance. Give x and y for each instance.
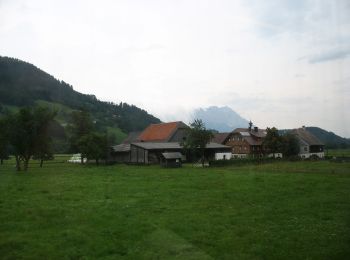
(179, 136)
(308, 155)
(238, 144)
(120, 157)
(138, 155)
(223, 156)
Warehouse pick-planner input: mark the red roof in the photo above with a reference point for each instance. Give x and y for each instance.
(158, 132)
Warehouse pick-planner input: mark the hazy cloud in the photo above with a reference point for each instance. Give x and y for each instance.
(329, 56)
(170, 57)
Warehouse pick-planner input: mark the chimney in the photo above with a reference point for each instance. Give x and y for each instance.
(250, 125)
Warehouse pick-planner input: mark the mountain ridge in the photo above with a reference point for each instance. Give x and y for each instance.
(222, 119)
(24, 84)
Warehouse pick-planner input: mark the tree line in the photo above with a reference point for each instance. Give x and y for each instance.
(26, 135)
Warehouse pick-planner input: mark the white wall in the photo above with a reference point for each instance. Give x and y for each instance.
(220, 156)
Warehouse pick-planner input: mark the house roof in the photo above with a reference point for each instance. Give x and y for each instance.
(132, 137)
(160, 132)
(121, 148)
(174, 155)
(213, 145)
(220, 138)
(175, 146)
(261, 133)
(306, 136)
(157, 146)
(252, 141)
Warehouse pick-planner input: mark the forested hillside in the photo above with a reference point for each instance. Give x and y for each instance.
(23, 84)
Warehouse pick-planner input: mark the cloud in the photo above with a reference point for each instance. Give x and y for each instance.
(275, 17)
(329, 56)
(151, 47)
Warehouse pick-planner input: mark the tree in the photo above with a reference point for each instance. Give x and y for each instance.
(43, 148)
(4, 142)
(80, 126)
(93, 146)
(197, 139)
(272, 142)
(290, 145)
(28, 133)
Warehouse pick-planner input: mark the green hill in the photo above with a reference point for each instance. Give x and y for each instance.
(23, 84)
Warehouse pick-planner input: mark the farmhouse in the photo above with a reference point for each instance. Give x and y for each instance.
(150, 145)
(310, 146)
(243, 141)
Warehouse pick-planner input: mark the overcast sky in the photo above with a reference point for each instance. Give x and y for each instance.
(278, 63)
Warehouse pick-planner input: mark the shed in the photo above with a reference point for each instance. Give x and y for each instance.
(171, 159)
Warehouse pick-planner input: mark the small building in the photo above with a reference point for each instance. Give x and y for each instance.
(310, 145)
(171, 160)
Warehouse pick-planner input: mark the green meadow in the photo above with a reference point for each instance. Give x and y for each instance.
(282, 210)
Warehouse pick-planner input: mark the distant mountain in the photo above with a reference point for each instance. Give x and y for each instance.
(330, 139)
(222, 119)
(23, 84)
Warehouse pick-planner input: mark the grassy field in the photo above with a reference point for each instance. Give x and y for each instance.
(338, 152)
(298, 210)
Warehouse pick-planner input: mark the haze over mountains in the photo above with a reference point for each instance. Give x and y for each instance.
(222, 119)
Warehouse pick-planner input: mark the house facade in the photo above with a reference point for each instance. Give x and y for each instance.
(244, 142)
(310, 145)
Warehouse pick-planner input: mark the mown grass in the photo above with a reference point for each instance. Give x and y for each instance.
(298, 210)
(338, 152)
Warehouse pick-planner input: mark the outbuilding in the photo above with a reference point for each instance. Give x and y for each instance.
(171, 159)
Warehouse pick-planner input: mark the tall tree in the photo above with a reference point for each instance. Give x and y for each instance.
(81, 125)
(27, 133)
(43, 148)
(290, 145)
(272, 142)
(197, 139)
(4, 142)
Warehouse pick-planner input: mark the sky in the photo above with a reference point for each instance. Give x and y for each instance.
(282, 63)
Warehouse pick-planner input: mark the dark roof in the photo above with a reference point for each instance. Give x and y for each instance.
(175, 146)
(157, 146)
(174, 155)
(220, 138)
(160, 132)
(213, 145)
(252, 141)
(306, 136)
(132, 137)
(121, 148)
(261, 133)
